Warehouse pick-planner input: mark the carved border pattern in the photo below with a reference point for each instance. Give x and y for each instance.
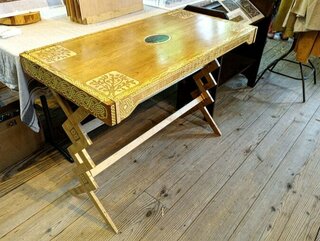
(183, 14)
(126, 107)
(123, 108)
(71, 92)
(53, 54)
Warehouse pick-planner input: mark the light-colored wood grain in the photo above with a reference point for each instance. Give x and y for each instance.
(78, 66)
(21, 19)
(34, 195)
(122, 93)
(67, 234)
(270, 204)
(85, 12)
(103, 212)
(176, 182)
(215, 179)
(117, 197)
(86, 169)
(120, 191)
(124, 132)
(197, 102)
(56, 212)
(304, 222)
(259, 221)
(127, 182)
(240, 111)
(140, 216)
(65, 201)
(251, 177)
(124, 185)
(145, 136)
(238, 120)
(15, 176)
(123, 190)
(109, 9)
(80, 141)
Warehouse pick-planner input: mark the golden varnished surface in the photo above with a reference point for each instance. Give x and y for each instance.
(110, 72)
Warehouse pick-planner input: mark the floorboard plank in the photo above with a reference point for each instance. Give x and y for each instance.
(147, 163)
(25, 212)
(128, 193)
(259, 181)
(19, 173)
(174, 224)
(246, 184)
(34, 195)
(259, 220)
(298, 216)
(174, 183)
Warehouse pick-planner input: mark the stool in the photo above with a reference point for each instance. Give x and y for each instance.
(273, 64)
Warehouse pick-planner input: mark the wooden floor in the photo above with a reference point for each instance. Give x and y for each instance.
(259, 181)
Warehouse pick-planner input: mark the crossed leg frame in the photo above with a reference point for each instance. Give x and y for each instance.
(86, 169)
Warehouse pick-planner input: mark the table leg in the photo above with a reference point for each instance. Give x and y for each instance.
(86, 169)
(203, 90)
(80, 141)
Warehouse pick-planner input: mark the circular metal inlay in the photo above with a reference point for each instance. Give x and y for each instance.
(158, 38)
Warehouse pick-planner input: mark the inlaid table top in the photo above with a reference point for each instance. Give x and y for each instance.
(110, 72)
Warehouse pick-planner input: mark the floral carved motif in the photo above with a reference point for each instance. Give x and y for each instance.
(53, 54)
(113, 83)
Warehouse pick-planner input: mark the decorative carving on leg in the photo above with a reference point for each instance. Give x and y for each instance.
(80, 141)
(86, 170)
(203, 87)
(87, 182)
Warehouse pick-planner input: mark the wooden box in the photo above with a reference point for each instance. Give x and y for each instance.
(93, 11)
(17, 141)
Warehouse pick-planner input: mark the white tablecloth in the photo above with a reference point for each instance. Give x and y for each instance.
(54, 27)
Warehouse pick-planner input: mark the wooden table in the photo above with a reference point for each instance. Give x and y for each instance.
(107, 74)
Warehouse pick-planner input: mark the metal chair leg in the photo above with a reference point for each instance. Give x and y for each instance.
(49, 130)
(272, 65)
(303, 84)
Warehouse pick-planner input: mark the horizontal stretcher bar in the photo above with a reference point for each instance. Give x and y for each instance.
(135, 143)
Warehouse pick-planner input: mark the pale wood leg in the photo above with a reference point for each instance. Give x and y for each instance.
(102, 210)
(87, 170)
(203, 91)
(80, 141)
(209, 119)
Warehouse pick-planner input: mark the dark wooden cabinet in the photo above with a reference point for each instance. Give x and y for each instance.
(246, 58)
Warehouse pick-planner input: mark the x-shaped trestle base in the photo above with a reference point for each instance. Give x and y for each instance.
(86, 168)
